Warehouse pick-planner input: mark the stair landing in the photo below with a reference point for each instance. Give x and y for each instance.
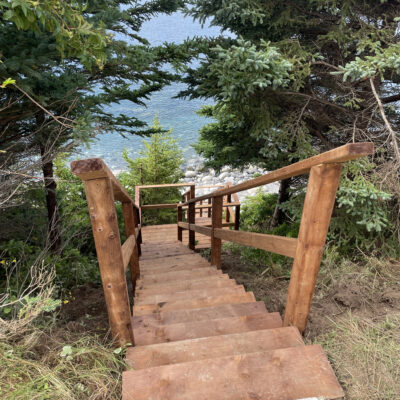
(200, 336)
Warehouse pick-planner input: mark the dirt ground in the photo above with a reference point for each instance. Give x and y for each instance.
(372, 295)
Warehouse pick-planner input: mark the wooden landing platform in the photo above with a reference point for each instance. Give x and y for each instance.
(200, 336)
(168, 233)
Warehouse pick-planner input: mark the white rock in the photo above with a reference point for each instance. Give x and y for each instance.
(190, 174)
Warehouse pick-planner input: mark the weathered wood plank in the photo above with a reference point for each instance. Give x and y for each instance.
(105, 229)
(203, 230)
(348, 152)
(157, 206)
(317, 211)
(275, 244)
(200, 314)
(206, 301)
(284, 374)
(212, 347)
(95, 168)
(215, 327)
(216, 245)
(127, 250)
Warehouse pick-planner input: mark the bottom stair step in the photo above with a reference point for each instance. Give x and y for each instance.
(211, 347)
(284, 374)
(199, 314)
(215, 327)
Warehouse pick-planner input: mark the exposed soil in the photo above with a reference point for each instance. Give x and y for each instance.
(373, 296)
(84, 310)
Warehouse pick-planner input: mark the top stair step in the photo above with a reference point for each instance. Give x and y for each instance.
(285, 374)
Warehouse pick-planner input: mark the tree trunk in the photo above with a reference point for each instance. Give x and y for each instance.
(283, 195)
(54, 236)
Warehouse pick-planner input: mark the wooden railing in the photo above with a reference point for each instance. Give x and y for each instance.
(325, 170)
(102, 189)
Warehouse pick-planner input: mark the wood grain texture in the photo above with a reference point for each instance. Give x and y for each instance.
(105, 229)
(216, 245)
(215, 327)
(200, 302)
(284, 374)
(275, 244)
(95, 168)
(317, 211)
(127, 250)
(200, 314)
(157, 206)
(348, 152)
(223, 345)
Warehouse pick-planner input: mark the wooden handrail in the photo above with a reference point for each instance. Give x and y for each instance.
(95, 168)
(275, 244)
(157, 206)
(348, 152)
(166, 185)
(102, 189)
(127, 249)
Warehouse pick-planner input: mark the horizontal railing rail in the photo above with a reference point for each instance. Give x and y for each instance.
(306, 250)
(102, 190)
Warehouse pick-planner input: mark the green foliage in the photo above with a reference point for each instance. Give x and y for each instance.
(74, 35)
(158, 163)
(362, 219)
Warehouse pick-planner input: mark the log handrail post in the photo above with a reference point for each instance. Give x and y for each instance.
(237, 217)
(130, 221)
(201, 210)
(216, 218)
(103, 217)
(179, 219)
(192, 218)
(227, 212)
(209, 210)
(318, 205)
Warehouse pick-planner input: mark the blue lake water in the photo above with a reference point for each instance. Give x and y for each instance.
(178, 114)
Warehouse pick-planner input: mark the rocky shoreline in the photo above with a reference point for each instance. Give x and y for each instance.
(195, 171)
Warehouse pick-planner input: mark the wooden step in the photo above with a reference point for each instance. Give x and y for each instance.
(190, 294)
(161, 254)
(213, 327)
(206, 301)
(184, 286)
(185, 267)
(154, 355)
(199, 314)
(178, 275)
(284, 374)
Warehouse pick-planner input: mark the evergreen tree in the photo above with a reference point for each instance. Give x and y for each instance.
(64, 102)
(297, 78)
(158, 163)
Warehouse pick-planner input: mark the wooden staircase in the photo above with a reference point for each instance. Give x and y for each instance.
(195, 333)
(199, 336)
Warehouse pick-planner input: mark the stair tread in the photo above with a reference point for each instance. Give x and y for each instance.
(184, 286)
(175, 268)
(178, 275)
(211, 347)
(143, 309)
(145, 335)
(183, 281)
(199, 314)
(284, 374)
(190, 294)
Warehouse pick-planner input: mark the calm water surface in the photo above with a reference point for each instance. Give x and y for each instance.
(178, 114)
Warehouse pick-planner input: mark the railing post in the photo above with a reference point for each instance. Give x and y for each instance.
(179, 218)
(192, 220)
(209, 209)
(227, 212)
(192, 217)
(130, 221)
(237, 217)
(201, 210)
(103, 216)
(317, 211)
(216, 218)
